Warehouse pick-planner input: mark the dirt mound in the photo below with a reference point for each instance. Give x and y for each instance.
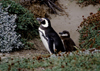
(42, 8)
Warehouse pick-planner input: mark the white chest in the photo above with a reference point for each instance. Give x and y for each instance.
(45, 42)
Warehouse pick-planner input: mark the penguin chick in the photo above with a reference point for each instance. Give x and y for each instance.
(67, 41)
(49, 37)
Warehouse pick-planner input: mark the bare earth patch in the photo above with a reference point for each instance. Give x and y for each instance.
(40, 49)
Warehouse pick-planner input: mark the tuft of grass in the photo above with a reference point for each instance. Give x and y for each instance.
(99, 9)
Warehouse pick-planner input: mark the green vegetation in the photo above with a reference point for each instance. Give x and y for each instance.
(66, 62)
(27, 25)
(90, 32)
(84, 3)
(89, 1)
(99, 9)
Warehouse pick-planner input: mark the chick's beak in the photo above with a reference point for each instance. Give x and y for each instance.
(60, 33)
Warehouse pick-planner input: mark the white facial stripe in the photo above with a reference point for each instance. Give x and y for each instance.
(64, 35)
(46, 23)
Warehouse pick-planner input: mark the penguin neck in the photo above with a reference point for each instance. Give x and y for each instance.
(43, 28)
(64, 37)
(67, 36)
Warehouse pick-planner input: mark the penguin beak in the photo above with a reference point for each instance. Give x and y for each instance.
(39, 20)
(60, 33)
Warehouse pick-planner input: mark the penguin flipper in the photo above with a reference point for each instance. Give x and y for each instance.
(50, 43)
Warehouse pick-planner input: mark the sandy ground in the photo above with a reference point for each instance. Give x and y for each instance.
(59, 23)
(71, 23)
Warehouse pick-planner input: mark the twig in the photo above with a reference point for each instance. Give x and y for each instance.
(52, 8)
(55, 6)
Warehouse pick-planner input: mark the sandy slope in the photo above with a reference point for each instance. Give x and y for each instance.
(60, 23)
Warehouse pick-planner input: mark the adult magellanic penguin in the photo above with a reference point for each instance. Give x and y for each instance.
(67, 41)
(49, 37)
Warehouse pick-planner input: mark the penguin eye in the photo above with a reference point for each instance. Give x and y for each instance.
(43, 22)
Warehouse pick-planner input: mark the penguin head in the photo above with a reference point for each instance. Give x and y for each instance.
(64, 34)
(45, 22)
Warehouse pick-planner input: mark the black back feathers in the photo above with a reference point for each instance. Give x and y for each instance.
(67, 41)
